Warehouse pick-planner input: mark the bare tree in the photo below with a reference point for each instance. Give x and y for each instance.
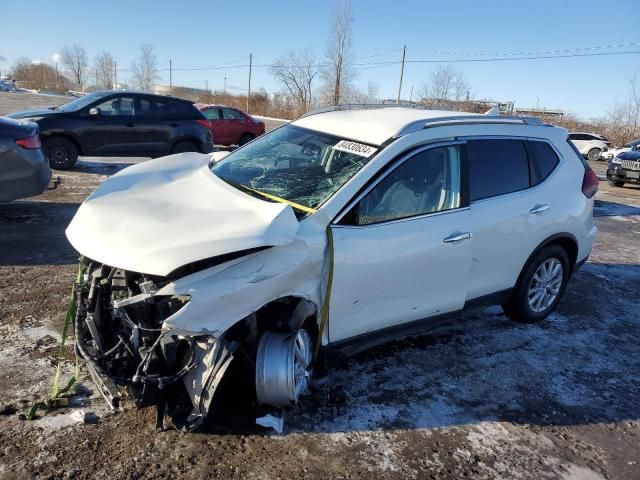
(445, 83)
(338, 72)
(145, 69)
(295, 72)
(74, 59)
(369, 95)
(105, 66)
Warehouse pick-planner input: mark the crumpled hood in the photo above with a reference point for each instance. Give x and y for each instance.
(41, 112)
(159, 215)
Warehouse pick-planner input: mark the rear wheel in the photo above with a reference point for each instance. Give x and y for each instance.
(540, 286)
(246, 138)
(184, 146)
(594, 154)
(617, 183)
(61, 152)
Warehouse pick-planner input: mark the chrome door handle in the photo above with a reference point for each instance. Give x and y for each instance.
(457, 237)
(539, 209)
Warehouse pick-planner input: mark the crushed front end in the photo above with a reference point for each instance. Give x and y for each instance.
(120, 332)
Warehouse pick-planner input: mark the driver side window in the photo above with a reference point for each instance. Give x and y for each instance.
(116, 107)
(428, 182)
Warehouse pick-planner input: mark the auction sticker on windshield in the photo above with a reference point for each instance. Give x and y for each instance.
(355, 148)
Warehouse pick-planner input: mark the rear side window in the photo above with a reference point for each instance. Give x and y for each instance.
(212, 113)
(497, 167)
(180, 109)
(543, 161)
(230, 114)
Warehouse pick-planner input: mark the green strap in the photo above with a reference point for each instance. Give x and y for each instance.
(56, 391)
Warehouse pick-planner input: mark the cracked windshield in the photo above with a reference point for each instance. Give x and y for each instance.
(294, 164)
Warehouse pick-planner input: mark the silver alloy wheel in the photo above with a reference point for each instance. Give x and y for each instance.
(283, 367)
(594, 154)
(545, 285)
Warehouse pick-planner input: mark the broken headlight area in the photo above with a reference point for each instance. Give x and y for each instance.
(119, 333)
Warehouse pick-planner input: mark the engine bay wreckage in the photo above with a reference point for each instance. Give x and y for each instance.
(231, 296)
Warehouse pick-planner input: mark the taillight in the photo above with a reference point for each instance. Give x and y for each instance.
(204, 123)
(590, 183)
(29, 142)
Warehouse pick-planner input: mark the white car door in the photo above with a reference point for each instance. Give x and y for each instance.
(402, 252)
(580, 141)
(513, 207)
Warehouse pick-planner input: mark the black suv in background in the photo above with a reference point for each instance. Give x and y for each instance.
(120, 123)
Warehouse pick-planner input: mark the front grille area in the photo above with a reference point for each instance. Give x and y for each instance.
(630, 164)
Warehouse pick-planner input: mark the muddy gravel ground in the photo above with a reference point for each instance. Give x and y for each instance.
(481, 398)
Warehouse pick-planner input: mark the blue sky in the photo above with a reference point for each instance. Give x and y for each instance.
(208, 33)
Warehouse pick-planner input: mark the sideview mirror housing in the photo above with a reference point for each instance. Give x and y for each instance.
(94, 111)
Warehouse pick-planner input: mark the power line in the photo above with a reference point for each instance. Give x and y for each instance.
(547, 52)
(508, 59)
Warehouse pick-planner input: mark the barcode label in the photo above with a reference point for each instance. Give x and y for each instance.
(355, 148)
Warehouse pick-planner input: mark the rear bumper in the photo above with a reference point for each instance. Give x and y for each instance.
(23, 173)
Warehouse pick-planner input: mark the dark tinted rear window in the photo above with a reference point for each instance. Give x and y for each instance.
(183, 109)
(543, 161)
(497, 167)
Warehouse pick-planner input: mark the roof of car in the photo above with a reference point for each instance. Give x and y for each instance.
(213, 105)
(370, 125)
(104, 93)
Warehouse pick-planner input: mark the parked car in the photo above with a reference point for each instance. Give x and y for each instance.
(625, 168)
(120, 123)
(230, 126)
(24, 170)
(7, 86)
(614, 152)
(590, 145)
(329, 235)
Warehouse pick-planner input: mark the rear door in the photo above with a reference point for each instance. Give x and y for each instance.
(234, 123)
(218, 130)
(153, 126)
(112, 131)
(403, 252)
(511, 208)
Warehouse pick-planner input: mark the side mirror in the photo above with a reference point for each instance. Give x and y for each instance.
(94, 111)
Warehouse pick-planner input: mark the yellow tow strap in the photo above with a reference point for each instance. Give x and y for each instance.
(324, 312)
(56, 391)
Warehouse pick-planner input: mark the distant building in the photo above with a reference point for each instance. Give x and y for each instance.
(540, 112)
(178, 90)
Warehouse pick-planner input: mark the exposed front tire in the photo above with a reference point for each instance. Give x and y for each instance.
(61, 152)
(616, 183)
(540, 286)
(594, 154)
(246, 138)
(185, 146)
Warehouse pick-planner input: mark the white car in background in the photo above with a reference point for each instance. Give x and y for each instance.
(331, 234)
(590, 145)
(614, 152)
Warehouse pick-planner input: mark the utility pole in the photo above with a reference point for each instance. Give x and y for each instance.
(170, 78)
(249, 89)
(404, 51)
(206, 86)
(115, 75)
(225, 83)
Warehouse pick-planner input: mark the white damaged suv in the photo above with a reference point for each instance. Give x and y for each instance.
(338, 231)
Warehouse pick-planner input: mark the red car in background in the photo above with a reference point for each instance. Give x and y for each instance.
(231, 126)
